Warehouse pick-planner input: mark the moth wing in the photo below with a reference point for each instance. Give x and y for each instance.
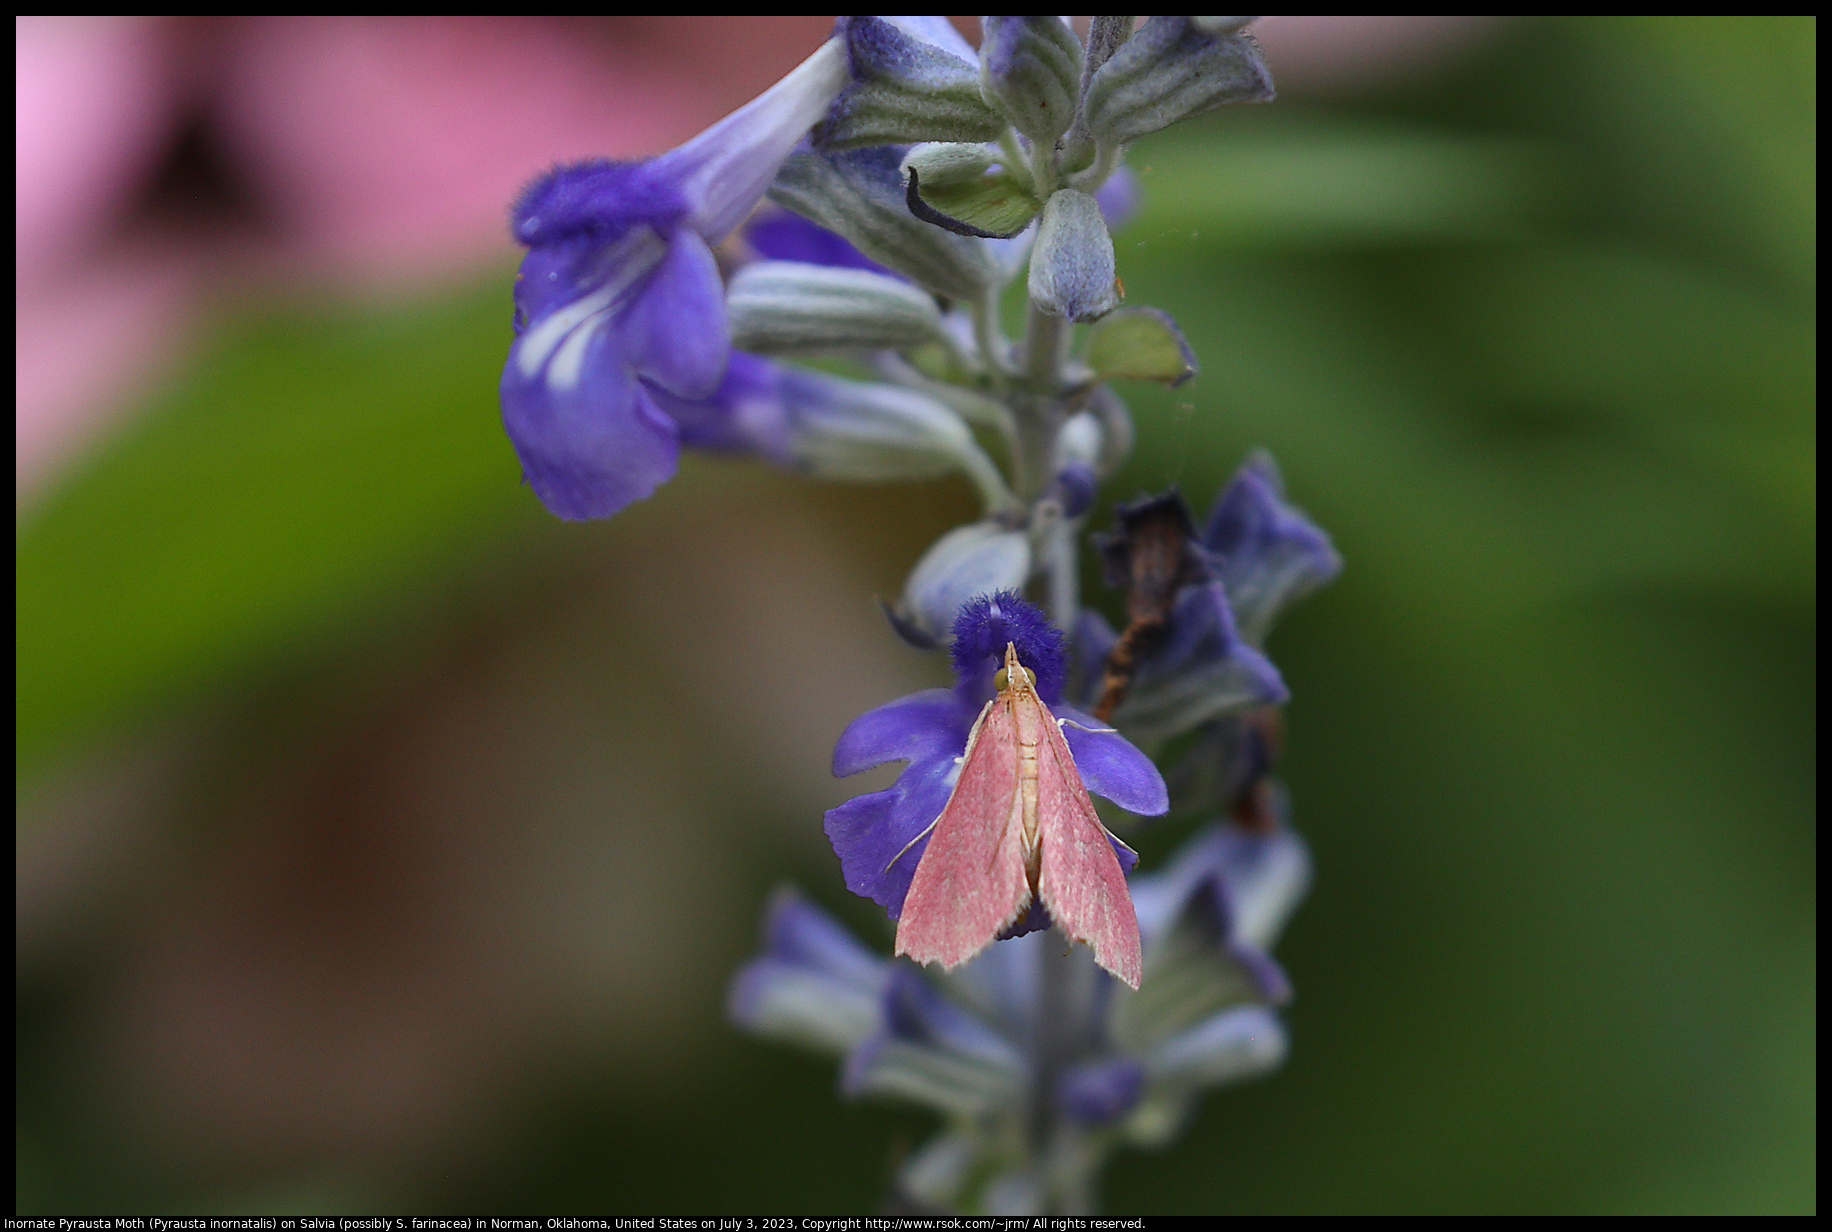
(970, 882)
(1081, 881)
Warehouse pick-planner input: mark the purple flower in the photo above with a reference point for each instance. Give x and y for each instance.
(619, 296)
(931, 1049)
(1257, 554)
(1196, 665)
(872, 834)
(1118, 198)
(1267, 552)
(781, 235)
(813, 984)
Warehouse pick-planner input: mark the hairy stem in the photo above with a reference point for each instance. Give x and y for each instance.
(991, 341)
(1062, 574)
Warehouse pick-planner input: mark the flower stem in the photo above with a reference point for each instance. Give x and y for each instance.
(1058, 1149)
(1062, 574)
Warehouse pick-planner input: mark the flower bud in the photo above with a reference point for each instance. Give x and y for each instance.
(791, 307)
(1080, 441)
(906, 86)
(1071, 268)
(1030, 69)
(868, 433)
(947, 164)
(971, 560)
(1078, 451)
(1170, 70)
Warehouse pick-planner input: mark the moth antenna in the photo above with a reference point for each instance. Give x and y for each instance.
(918, 839)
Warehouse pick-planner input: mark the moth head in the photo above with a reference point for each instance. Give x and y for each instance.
(1013, 670)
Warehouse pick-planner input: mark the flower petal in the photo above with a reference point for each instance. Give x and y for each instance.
(1272, 554)
(1239, 1044)
(986, 625)
(675, 333)
(918, 727)
(724, 171)
(814, 984)
(875, 835)
(1098, 1092)
(596, 199)
(931, 1051)
(796, 931)
(589, 438)
(780, 235)
(747, 413)
(1265, 876)
(1111, 766)
(784, 1001)
(1226, 1048)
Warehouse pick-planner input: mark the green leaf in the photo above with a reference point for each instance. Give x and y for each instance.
(1141, 343)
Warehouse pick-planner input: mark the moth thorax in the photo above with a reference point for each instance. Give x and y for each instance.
(1001, 679)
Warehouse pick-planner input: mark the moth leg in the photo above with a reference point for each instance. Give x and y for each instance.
(1083, 726)
(1110, 834)
(918, 839)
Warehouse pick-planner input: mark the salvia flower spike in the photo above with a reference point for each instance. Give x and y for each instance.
(916, 180)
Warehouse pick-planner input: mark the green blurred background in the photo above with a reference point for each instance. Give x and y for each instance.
(385, 844)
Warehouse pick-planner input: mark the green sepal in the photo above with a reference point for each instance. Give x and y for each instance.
(1141, 343)
(859, 195)
(1169, 71)
(904, 90)
(1030, 69)
(994, 207)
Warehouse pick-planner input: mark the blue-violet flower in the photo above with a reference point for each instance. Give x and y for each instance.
(619, 294)
(1199, 666)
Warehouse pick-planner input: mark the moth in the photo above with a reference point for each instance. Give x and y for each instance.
(1019, 827)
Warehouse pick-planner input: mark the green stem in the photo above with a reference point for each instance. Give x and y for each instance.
(993, 491)
(974, 407)
(1046, 346)
(1062, 574)
(1106, 158)
(991, 340)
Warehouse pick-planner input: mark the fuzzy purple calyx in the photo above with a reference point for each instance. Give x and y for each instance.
(988, 623)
